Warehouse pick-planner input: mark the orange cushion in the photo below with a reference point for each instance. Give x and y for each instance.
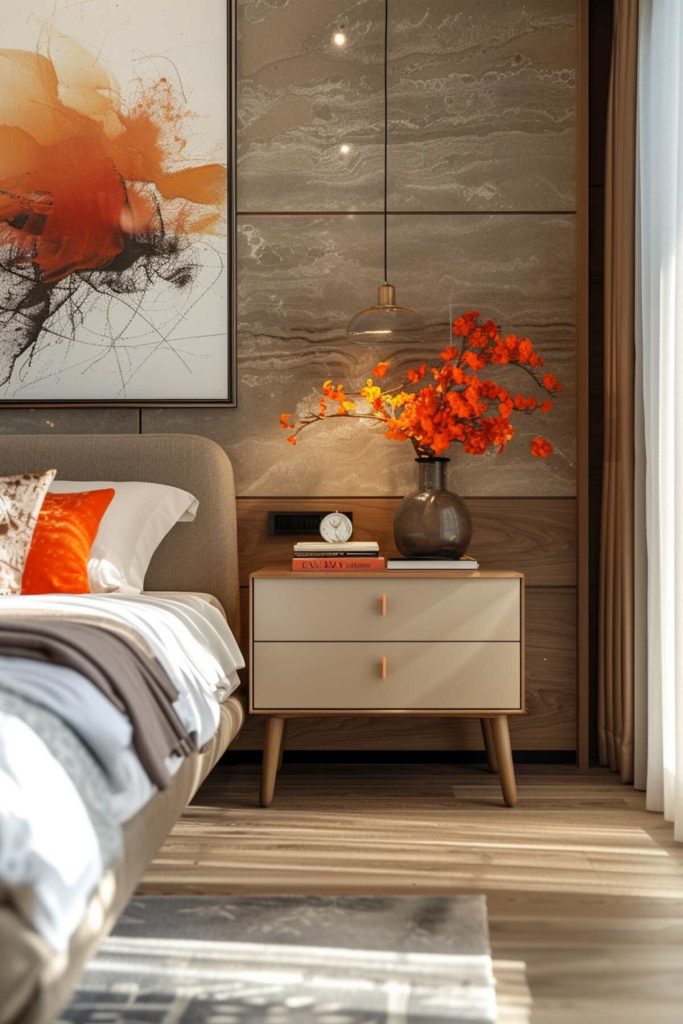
(65, 532)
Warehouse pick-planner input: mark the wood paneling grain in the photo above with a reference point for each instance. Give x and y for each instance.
(536, 536)
(582, 399)
(550, 722)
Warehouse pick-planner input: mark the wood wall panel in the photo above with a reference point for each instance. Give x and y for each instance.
(536, 536)
(550, 685)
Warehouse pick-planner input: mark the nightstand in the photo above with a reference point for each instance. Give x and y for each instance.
(387, 643)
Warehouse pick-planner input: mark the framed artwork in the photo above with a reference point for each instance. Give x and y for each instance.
(117, 203)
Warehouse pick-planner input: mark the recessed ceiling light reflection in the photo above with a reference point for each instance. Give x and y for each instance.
(339, 39)
(344, 148)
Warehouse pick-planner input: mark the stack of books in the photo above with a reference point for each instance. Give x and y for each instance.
(351, 556)
(467, 563)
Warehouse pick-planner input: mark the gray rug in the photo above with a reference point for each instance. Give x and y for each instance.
(292, 960)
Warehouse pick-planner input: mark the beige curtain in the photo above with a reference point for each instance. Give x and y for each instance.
(617, 550)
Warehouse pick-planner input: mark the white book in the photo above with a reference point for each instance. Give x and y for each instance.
(302, 547)
(467, 564)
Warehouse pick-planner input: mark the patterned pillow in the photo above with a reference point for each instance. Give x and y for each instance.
(21, 498)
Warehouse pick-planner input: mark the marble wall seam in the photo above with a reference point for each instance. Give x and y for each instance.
(69, 421)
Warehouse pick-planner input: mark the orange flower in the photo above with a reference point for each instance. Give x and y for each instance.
(511, 343)
(474, 361)
(380, 370)
(415, 376)
(464, 325)
(541, 448)
(451, 402)
(478, 338)
(500, 432)
(476, 443)
(525, 350)
(500, 355)
(335, 394)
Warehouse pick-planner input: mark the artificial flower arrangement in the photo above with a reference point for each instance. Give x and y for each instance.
(435, 407)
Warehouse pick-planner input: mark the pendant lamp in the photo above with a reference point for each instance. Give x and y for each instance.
(386, 321)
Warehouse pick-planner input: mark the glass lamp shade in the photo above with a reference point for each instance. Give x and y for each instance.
(386, 321)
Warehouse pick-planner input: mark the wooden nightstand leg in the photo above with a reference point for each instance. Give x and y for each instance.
(489, 744)
(272, 750)
(283, 740)
(506, 768)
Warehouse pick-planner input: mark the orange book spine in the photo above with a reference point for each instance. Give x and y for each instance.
(336, 564)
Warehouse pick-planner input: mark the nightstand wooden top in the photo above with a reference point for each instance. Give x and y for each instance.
(284, 571)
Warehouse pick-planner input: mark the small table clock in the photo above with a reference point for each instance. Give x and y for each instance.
(336, 528)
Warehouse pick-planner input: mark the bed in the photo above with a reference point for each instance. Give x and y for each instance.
(195, 558)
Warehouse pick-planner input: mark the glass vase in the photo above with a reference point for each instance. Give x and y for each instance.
(432, 522)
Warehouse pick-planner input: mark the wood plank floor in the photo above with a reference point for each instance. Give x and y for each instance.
(584, 886)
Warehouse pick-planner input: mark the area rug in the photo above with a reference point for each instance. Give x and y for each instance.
(292, 960)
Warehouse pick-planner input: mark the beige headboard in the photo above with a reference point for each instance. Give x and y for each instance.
(198, 556)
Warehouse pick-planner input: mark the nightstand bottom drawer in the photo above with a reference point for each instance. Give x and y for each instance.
(391, 676)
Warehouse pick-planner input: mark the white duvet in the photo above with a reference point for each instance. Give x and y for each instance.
(189, 636)
(194, 644)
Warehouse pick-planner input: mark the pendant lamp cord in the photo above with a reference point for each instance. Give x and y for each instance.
(386, 133)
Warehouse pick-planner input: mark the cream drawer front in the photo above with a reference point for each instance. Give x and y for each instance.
(421, 676)
(387, 609)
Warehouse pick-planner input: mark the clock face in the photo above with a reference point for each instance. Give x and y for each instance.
(336, 528)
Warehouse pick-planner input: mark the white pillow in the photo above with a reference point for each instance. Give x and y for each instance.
(137, 520)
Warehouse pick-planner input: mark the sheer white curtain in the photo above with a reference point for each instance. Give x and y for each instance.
(659, 281)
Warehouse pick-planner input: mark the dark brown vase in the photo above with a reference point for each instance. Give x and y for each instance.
(432, 522)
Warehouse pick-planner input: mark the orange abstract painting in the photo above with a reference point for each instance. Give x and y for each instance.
(114, 202)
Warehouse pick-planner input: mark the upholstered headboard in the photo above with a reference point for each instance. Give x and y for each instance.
(197, 556)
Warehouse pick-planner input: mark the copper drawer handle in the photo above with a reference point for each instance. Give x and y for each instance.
(383, 668)
(383, 604)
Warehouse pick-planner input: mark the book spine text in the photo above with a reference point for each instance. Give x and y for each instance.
(336, 564)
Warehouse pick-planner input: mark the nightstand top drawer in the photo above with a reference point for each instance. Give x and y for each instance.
(386, 608)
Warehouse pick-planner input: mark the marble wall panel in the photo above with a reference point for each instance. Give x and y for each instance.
(310, 113)
(482, 105)
(68, 421)
(301, 277)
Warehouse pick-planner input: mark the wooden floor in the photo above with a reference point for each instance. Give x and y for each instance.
(584, 887)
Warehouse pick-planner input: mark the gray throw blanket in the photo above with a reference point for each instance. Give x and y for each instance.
(122, 670)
